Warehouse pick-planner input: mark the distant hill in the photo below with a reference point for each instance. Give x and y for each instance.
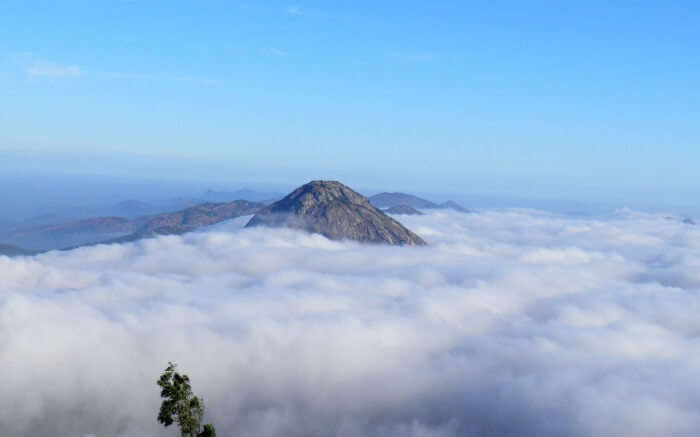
(93, 225)
(126, 208)
(8, 250)
(242, 194)
(332, 209)
(390, 200)
(132, 208)
(201, 215)
(44, 219)
(402, 210)
(142, 235)
(116, 229)
(685, 220)
(7, 226)
(454, 205)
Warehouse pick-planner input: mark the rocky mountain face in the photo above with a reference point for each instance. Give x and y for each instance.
(337, 212)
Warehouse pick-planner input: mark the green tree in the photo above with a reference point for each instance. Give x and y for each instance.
(181, 405)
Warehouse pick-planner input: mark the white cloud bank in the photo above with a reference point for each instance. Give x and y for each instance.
(511, 323)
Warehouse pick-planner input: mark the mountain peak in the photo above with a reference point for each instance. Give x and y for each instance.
(337, 212)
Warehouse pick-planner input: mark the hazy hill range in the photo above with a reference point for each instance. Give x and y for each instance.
(127, 208)
(98, 229)
(56, 236)
(389, 200)
(201, 215)
(402, 210)
(684, 220)
(141, 235)
(7, 250)
(450, 204)
(326, 207)
(337, 212)
(133, 208)
(44, 219)
(7, 226)
(242, 194)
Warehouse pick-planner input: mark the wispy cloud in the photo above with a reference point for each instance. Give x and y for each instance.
(36, 67)
(51, 69)
(156, 76)
(415, 56)
(272, 51)
(294, 10)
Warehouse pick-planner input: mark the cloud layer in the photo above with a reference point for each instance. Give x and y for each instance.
(511, 323)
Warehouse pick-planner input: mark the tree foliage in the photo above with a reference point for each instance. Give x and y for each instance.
(181, 405)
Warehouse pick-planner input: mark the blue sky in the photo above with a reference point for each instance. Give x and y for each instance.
(591, 100)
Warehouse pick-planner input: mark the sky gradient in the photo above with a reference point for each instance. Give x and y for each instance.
(590, 101)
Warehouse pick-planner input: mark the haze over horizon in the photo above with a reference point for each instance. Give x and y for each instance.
(32, 194)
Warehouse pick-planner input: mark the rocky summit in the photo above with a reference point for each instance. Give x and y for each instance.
(337, 212)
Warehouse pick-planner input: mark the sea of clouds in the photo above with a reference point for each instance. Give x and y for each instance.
(510, 323)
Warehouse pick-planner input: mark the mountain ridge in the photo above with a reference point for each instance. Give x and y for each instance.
(402, 210)
(10, 250)
(389, 200)
(118, 229)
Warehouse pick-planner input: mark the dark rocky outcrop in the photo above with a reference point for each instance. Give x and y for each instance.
(337, 212)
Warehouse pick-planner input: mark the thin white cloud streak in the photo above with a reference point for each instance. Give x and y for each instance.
(271, 51)
(511, 323)
(36, 67)
(160, 77)
(53, 70)
(294, 10)
(415, 56)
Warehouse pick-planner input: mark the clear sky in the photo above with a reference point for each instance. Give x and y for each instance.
(559, 98)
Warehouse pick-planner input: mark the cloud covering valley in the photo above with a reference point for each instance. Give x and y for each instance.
(510, 323)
